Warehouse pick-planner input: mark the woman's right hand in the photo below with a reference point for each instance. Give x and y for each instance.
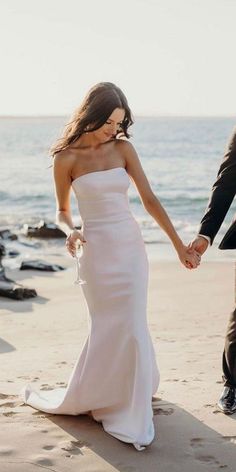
(72, 241)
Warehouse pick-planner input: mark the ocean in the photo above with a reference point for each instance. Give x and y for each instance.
(180, 157)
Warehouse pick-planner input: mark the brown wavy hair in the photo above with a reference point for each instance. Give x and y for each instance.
(98, 105)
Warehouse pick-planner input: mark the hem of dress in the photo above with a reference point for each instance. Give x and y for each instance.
(138, 446)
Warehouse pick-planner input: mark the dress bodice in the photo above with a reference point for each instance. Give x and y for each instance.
(103, 194)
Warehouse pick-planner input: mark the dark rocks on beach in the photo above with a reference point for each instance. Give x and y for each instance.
(44, 230)
(2, 252)
(8, 287)
(40, 265)
(11, 289)
(7, 234)
(13, 253)
(8, 252)
(31, 244)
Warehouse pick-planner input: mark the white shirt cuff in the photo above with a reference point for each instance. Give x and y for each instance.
(205, 237)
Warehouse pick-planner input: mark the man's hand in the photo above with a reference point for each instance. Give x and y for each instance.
(189, 257)
(199, 244)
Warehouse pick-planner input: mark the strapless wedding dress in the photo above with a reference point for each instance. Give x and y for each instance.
(116, 373)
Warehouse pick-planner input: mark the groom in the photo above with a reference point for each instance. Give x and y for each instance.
(223, 192)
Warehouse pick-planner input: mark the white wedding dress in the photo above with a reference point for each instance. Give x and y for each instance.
(116, 373)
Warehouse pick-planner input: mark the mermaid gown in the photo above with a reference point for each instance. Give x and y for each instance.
(116, 373)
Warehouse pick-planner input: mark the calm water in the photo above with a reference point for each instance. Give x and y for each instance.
(180, 156)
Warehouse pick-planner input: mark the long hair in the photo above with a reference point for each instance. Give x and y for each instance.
(98, 105)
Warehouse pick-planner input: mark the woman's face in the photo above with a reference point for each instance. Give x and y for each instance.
(112, 125)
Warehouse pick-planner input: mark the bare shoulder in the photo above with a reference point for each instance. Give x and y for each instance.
(63, 157)
(64, 160)
(135, 170)
(126, 148)
(124, 144)
(132, 161)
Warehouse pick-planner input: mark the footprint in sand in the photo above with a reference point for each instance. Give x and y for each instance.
(160, 411)
(41, 460)
(47, 387)
(9, 413)
(9, 405)
(198, 444)
(59, 363)
(48, 448)
(73, 446)
(198, 441)
(172, 380)
(207, 459)
(4, 396)
(6, 451)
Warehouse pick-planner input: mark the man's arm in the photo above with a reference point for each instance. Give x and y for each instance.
(223, 192)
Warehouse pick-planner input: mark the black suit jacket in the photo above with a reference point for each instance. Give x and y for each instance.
(223, 192)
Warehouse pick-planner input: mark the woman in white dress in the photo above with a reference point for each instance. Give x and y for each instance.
(116, 373)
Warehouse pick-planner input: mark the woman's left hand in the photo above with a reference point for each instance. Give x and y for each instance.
(189, 257)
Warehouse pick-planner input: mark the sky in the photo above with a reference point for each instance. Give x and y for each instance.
(170, 57)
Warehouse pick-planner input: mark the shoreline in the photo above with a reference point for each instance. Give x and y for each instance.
(34, 248)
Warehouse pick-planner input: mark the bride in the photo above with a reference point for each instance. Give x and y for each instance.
(116, 373)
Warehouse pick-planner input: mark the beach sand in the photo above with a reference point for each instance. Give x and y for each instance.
(41, 339)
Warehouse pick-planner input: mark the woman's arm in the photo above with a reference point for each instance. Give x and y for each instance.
(154, 207)
(62, 182)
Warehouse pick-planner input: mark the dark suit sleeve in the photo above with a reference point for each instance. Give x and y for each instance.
(223, 192)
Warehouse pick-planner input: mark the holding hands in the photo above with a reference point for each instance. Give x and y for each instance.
(189, 257)
(194, 252)
(199, 244)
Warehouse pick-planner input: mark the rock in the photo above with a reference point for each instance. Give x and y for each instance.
(31, 244)
(7, 234)
(2, 251)
(13, 253)
(36, 264)
(8, 287)
(11, 289)
(44, 230)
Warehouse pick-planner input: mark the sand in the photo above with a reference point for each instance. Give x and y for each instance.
(42, 338)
